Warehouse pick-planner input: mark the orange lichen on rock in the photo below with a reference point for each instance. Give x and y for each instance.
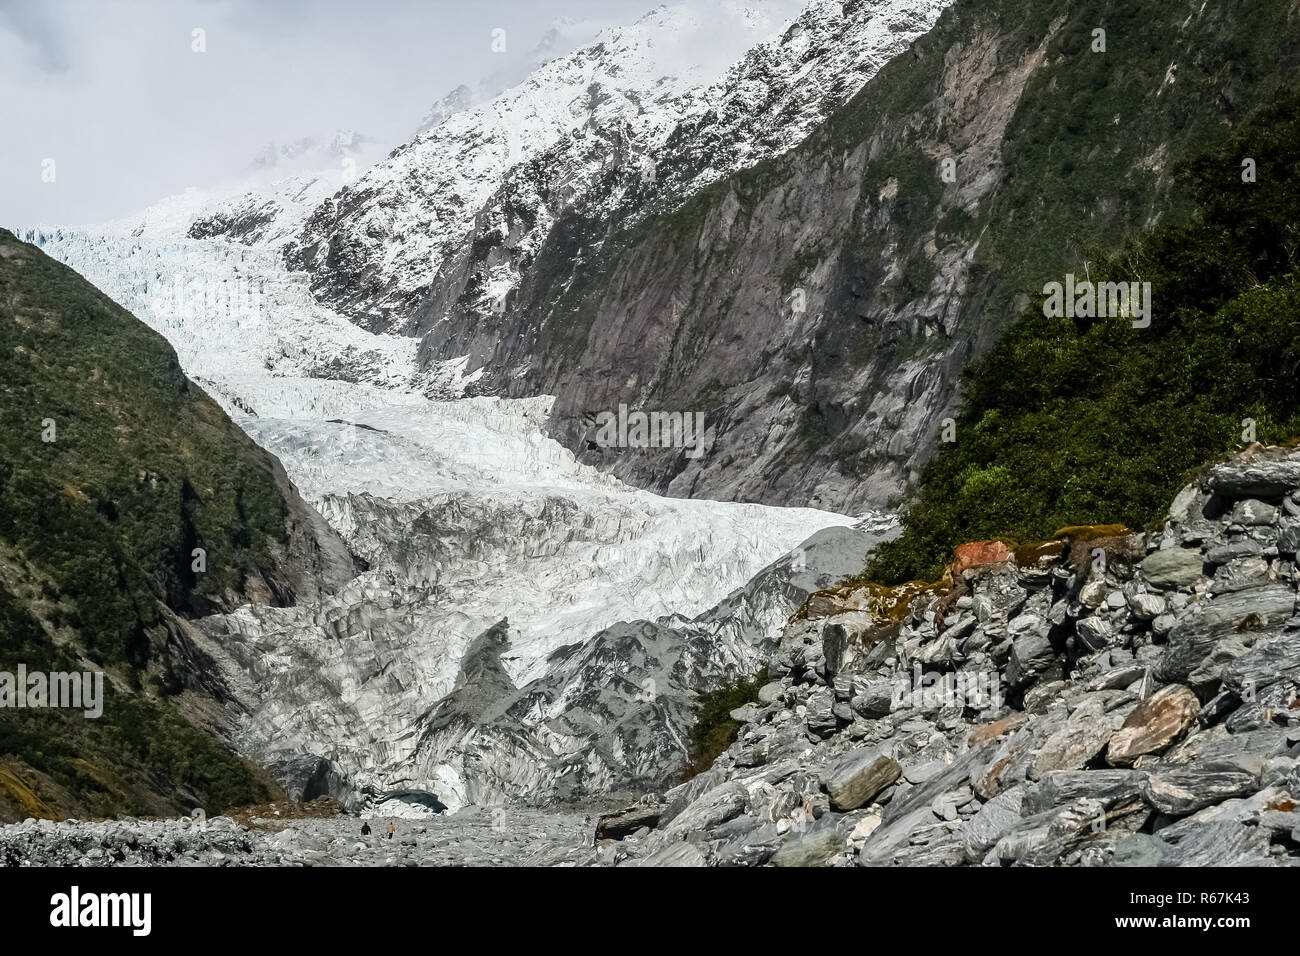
(978, 554)
(998, 728)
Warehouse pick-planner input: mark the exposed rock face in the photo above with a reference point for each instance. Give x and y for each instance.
(967, 767)
(818, 307)
(859, 777)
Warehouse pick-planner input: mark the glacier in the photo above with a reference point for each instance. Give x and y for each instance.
(528, 628)
(473, 524)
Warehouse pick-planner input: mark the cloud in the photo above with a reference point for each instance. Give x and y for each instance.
(37, 33)
(114, 94)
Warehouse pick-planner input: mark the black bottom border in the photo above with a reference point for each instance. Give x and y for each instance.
(300, 906)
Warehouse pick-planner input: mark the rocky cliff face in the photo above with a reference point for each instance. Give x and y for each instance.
(622, 169)
(818, 307)
(1106, 698)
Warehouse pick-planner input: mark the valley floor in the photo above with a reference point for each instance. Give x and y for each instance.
(476, 836)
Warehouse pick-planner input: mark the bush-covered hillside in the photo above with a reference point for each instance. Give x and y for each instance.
(1080, 421)
(114, 468)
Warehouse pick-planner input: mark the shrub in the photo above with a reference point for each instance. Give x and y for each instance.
(714, 730)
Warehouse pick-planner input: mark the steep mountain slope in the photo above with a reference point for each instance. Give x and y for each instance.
(1077, 421)
(456, 217)
(616, 176)
(128, 502)
(818, 307)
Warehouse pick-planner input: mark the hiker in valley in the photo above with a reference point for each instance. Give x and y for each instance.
(391, 829)
(365, 828)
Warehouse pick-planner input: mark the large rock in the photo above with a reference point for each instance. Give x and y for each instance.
(1265, 664)
(1232, 551)
(1221, 844)
(713, 808)
(1239, 575)
(1110, 788)
(1146, 607)
(1270, 476)
(676, 854)
(1032, 654)
(1202, 626)
(622, 823)
(1288, 539)
(995, 818)
(1184, 790)
(1250, 511)
(876, 699)
(857, 778)
(814, 849)
(1250, 752)
(1153, 725)
(978, 554)
(1172, 568)
(1075, 744)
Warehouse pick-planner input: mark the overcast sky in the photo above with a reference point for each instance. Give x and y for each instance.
(113, 93)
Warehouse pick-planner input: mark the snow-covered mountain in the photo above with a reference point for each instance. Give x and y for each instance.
(564, 36)
(376, 247)
(435, 239)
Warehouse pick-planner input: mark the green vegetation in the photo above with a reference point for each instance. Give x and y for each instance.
(1092, 421)
(97, 532)
(139, 757)
(714, 730)
(144, 467)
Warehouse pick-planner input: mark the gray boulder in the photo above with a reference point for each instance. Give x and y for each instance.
(857, 778)
(1172, 568)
